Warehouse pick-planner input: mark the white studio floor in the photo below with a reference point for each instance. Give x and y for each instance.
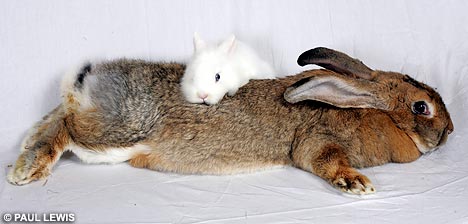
(426, 39)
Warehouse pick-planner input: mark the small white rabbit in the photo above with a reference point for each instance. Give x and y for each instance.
(215, 70)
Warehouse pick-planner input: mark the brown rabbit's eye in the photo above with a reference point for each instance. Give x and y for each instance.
(421, 107)
(217, 77)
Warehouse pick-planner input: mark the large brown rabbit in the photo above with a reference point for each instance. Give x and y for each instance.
(322, 121)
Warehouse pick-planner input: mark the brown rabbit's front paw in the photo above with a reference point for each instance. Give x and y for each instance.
(353, 183)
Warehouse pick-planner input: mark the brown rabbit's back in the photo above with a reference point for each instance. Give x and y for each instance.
(140, 102)
(249, 131)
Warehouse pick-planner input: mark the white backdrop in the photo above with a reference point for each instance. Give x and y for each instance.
(40, 40)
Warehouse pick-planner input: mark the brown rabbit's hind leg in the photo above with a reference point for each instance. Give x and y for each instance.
(154, 161)
(33, 165)
(40, 150)
(143, 160)
(159, 161)
(332, 165)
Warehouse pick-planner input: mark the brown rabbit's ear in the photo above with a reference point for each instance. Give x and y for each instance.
(335, 61)
(337, 90)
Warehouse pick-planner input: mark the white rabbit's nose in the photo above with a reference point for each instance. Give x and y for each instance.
(202, 95)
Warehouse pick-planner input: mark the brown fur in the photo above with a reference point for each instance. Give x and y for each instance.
(255, 129)
(43, 148)
(144, 161)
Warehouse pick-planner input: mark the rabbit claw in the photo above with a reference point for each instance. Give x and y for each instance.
(354, 184)
(26, 171)
(19, 176)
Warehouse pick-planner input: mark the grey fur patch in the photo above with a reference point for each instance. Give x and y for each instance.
(125, 94)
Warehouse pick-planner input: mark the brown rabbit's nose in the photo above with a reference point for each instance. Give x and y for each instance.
(444, 135)
(449, 127)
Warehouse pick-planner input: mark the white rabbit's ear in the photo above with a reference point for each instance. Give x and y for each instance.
(339, 91)
(198, 43)
(229, 44)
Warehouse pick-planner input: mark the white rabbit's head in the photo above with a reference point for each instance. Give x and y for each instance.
(209, 74)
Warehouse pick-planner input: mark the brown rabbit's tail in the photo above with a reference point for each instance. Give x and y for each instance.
(41, 148)
(73, 92)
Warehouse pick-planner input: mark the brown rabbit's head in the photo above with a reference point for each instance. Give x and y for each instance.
(414, 107)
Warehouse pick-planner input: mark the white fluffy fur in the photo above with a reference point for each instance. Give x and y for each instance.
(109, 156)
(67, 89)
(235, 62)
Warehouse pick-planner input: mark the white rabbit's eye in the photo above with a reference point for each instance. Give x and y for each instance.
(421, 107)
(217, 77)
